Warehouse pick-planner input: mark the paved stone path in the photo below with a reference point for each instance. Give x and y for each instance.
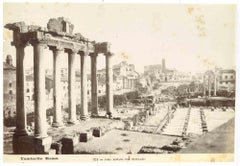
(175, 127)
(213, 120)
(194, 124)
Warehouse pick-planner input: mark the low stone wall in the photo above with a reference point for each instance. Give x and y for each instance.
(214, 102)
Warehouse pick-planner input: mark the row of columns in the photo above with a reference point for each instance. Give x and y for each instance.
(209, 86)
(39, 87)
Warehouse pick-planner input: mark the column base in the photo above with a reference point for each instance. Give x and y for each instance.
(94, 115)
(22, 132)
(84, 117)
(109, 115)
(57, 124)
(72, 122)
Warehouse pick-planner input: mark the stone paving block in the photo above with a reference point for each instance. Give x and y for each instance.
(97, 132)
(83, 137)
(68, 145)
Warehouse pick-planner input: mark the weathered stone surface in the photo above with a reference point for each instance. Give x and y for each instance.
(57, 146)
(68, 145)
(173, 148)
(42, 145)
(80, 37)
(128, 125)
(151, 150)
(97, 132)
(21, 26)
(52, 151)
(60, 25)
(83, 137)
(103, 47)
(23, 145)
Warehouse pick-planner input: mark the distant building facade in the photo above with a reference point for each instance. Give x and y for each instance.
(125, 77)
(9, 87)
(9, 77)
(226, 79)
(163, 74)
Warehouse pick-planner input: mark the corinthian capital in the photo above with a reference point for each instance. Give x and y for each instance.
(43, 43)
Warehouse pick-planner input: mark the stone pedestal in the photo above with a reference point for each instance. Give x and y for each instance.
(83, 137)
(68, 145)
(42, 145)
(97, 132)
(31, 145)
(23, 144)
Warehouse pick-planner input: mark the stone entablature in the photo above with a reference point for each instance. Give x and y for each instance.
(55, 36)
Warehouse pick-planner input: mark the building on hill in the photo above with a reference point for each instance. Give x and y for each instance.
(9, 87)
(161, 73)
(125, 77)
(9, 77)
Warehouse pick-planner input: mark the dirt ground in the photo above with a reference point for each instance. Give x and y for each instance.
(220, 140)
(123, 142)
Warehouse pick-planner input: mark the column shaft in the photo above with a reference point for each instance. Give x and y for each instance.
(39, 91)
(215, 85)
(20, 103)
(204, 86)
(109, 84)
(71, 87)
(57, 119)
(84, 101)
(209, 88)
(94, 88)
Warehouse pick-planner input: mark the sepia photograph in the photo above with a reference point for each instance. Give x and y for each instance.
(105, 82)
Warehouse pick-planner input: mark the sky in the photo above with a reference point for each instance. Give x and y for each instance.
(190, 37)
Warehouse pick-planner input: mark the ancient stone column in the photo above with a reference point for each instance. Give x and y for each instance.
(71, 86)
(84, 100)
(215, 84)
(57, 118)
(20, 97)
(94, 88)
(209, 87)
(109, 84)
(204, 86)
(39, 90)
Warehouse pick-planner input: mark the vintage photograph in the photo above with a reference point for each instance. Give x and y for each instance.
(105, 79)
